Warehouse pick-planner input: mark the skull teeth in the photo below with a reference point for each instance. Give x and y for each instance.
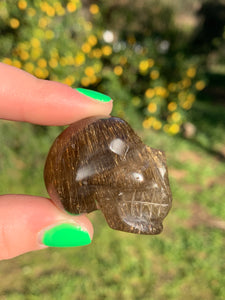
(144, 210)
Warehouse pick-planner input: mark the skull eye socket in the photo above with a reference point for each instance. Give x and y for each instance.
(119, 147)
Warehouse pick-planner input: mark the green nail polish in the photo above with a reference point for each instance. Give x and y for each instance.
(94, 95)
(66, 235)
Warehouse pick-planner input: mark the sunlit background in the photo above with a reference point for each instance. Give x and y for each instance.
(163, 64)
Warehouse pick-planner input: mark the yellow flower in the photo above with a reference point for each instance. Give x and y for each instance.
(151, 62)
(79, 59)
(71, 7)
(147, 123)
(93, 79)
(16, 63)
(186, 82)
(49, 34)
(68, 80)
(172, 106)
(72, 78)
(150, 93)
(200, 85)
(7, 61)
(161, 91)
(191, 98)
(143, 66)
(39, 72)
(152, 107)
(44, 5)
(59, 9)
(92, 40)
(29, 67)
(42, 63)
(176, 117)
(174, 128)
(43, 22)
(89, 71)
(118, 70)
(186, 105)
(85, 81)
(107, 50)
(94, 9)
(53, 62)
(154, 74)
(61, 12)
(35, 43)
(35, 53)
(24, 55)
(31, 12)
(50, 11)
(57, 5)
(191, 72)
(14, 23)
(86, 48)
(22, 4)
(97, 53)
(157, 125)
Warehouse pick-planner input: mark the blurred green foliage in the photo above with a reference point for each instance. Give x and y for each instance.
(130, 50)
(134, 52)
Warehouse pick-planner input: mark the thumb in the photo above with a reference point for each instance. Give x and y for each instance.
(29, 223)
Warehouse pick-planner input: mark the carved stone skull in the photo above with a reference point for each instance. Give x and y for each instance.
(100, 163)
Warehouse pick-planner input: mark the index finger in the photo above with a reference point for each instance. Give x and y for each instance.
(25, 98)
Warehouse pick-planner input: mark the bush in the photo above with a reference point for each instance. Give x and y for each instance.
(131, 52)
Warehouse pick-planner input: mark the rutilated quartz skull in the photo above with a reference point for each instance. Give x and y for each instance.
(100, 163)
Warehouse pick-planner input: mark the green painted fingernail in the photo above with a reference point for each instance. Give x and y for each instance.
(66, 235)
(94, 95)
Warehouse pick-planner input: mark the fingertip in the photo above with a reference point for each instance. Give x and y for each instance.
(85, 223)
(46, 102)
(24, 218)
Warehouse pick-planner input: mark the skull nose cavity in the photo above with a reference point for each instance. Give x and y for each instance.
(138, 177)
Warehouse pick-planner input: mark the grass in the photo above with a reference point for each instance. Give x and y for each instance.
(185, 262)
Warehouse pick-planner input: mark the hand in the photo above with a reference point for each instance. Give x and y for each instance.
(28, 99)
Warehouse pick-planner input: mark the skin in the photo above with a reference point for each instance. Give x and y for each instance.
(25, 98)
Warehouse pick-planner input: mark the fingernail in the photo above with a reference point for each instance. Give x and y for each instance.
(94, 95)
(66, 235)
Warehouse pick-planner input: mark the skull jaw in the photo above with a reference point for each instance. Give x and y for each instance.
(138, 227)
(134, 216)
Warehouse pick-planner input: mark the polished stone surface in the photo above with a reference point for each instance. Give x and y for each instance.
(100, 163)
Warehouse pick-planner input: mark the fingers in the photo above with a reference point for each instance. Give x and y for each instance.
(26, 98)
(29, 223)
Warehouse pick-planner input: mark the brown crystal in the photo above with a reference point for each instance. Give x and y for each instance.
(100, 163)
